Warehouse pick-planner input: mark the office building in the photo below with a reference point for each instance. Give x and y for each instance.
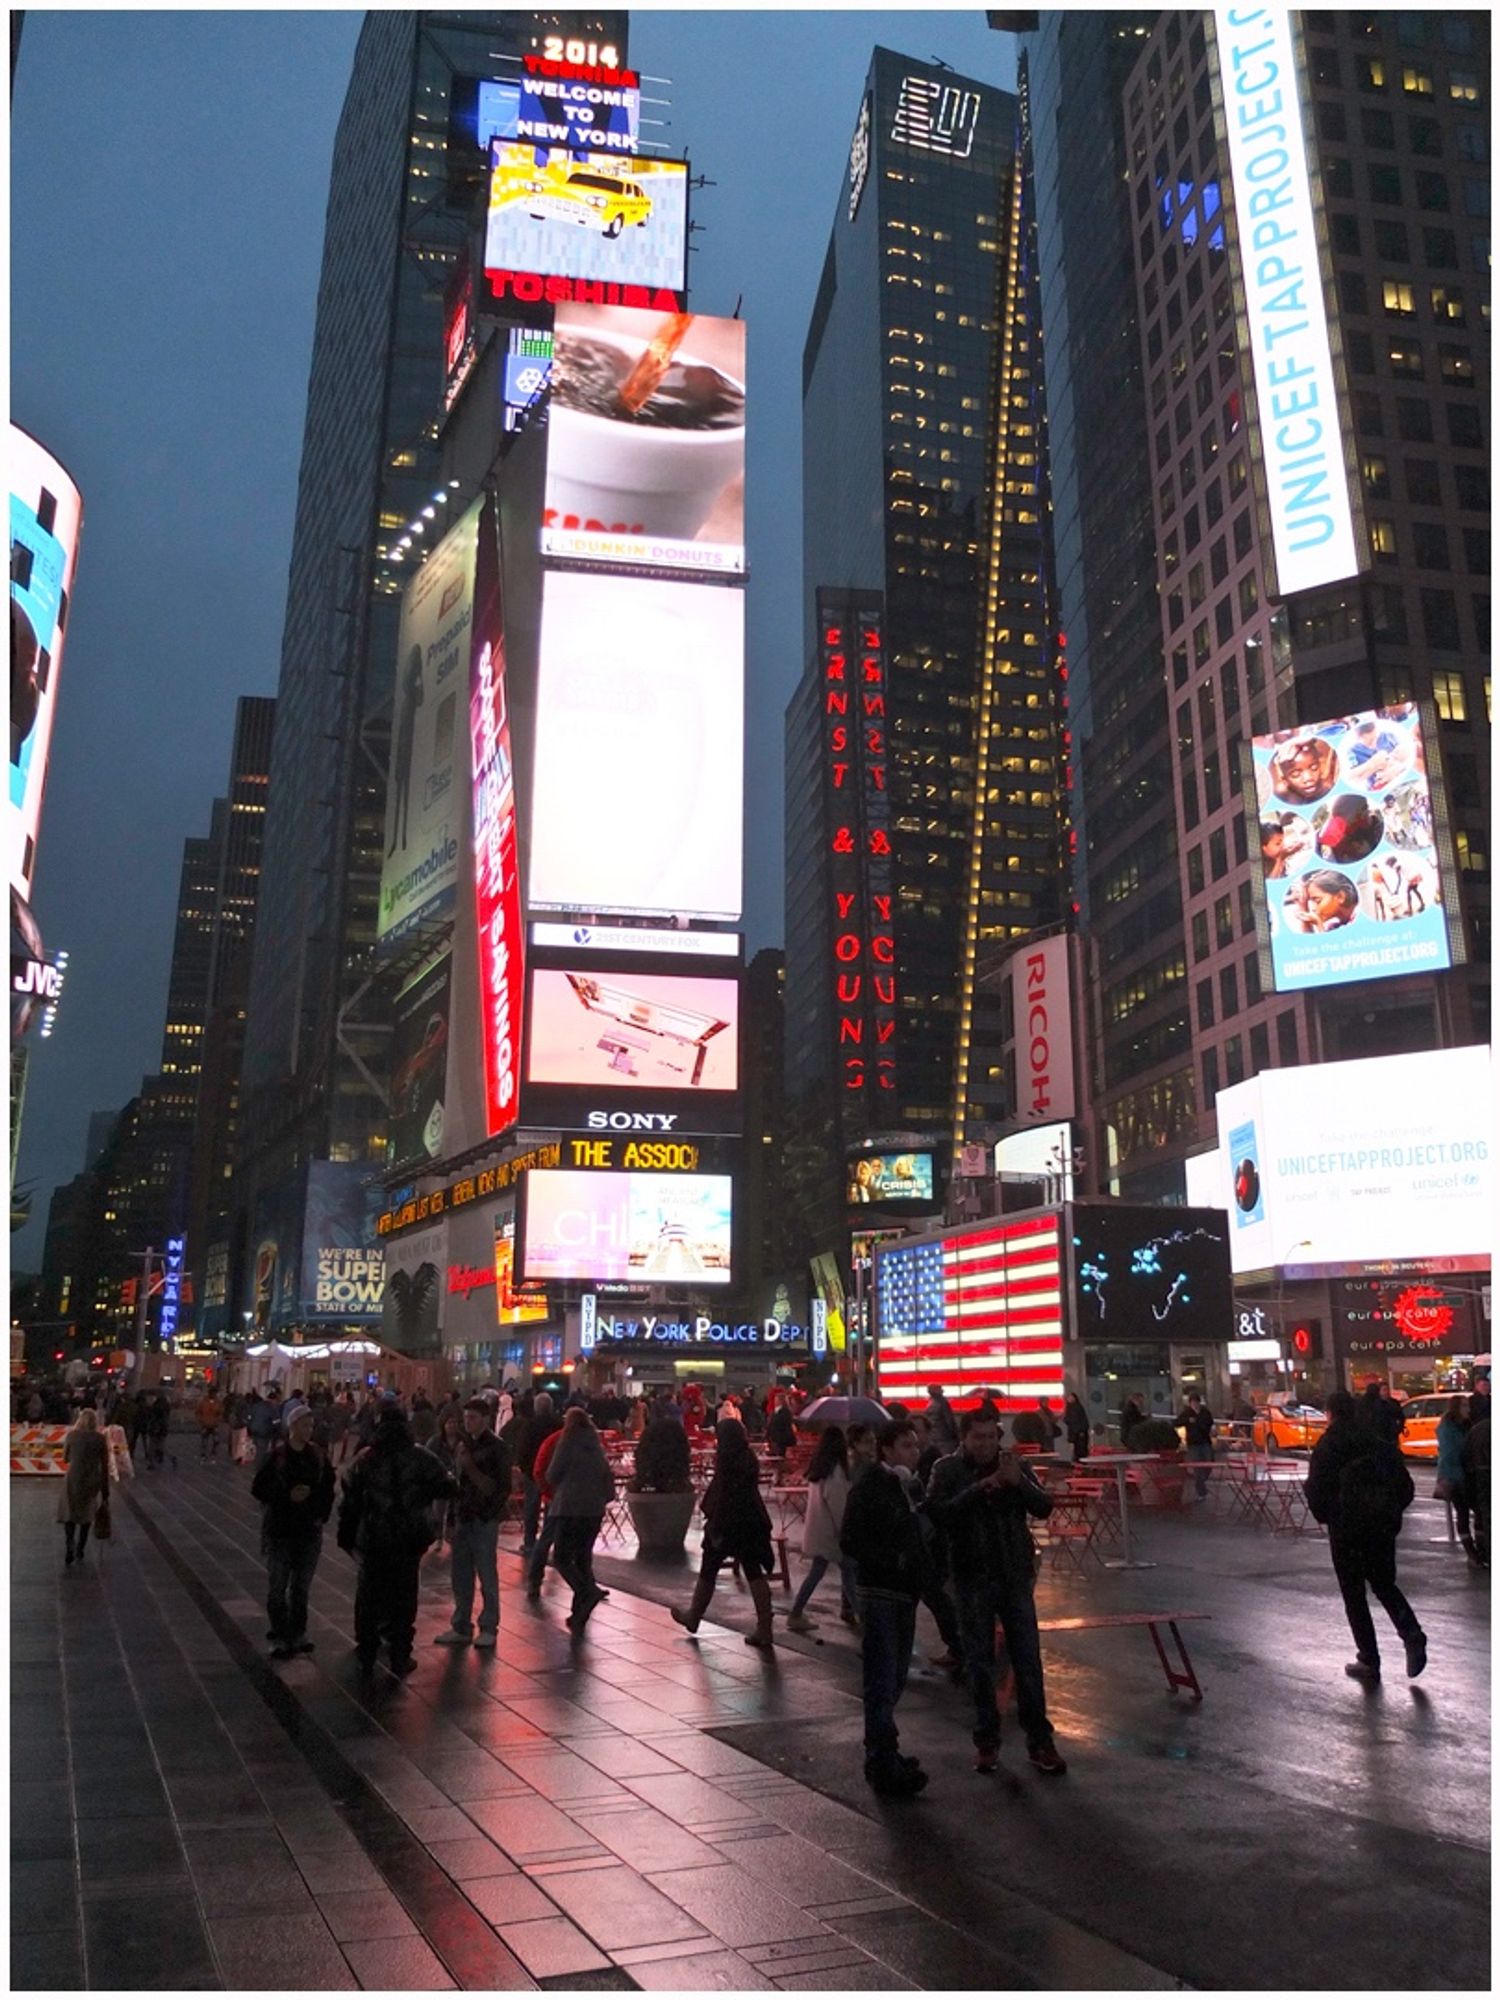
(407, 178)
(926, 551)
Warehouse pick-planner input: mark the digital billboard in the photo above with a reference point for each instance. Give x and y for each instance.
(419, 866)
(1351, 1163)
(889, 1177)
(46, 517)
(595, 215)
(633, 1031)
(343, 1260)
(513, 1307)
(497, 866)
(635, 939)
(1353, 884)
(637, 793)
(646, 440)
(526, 373)
(1151, 1273)
(419, 1065)
(582, 112)
(637, 1228)
(1300, 426)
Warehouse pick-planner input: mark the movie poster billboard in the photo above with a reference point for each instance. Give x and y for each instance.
(600, 216)
(1353, 882)
(411, 1309)
(497, 865)
(419, 1065)
(46, 518)
(513, 1305)
(627, 1227)
(343, 1258)
(646, 440)
(882, 1177)
(419, 866)
(639, 765)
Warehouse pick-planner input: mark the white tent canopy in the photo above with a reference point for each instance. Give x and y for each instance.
(344, 1363)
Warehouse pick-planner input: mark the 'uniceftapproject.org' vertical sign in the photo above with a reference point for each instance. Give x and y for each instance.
(1301, 430)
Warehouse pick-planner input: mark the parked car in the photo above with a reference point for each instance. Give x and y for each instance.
(1289, 1426)
(1423, 1415)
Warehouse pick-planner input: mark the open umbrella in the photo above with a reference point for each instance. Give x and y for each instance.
(841, 1410)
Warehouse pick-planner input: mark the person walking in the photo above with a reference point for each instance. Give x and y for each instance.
(736, 1528)
(1197, 1426)
(582, 1486)
(1380, 1411)
(234, 1422)
(781, 1429)
(210, 1418)
(424, 1422)
(883, 1538)
(482, 1466)
(295, 1487)
(261, 1419)
(982, 1498)
(540, 1426)
(1476, 1458)
(822, 1523)
(86, 1459)
(939, 1414)
(546, 1541)
(1451, 1431)
(1132, 1412)
(1358, 1487)
(444, 1447)
(157, 1424)
(1076, 1424)
(385, 1519)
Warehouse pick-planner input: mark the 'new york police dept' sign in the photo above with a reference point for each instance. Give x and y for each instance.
(1301, 435)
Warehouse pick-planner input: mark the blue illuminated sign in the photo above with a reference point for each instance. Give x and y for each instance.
(561, 111)
(171, 1287)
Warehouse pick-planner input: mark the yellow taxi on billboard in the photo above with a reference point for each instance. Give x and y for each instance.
(559, 192)
(1287, 1425)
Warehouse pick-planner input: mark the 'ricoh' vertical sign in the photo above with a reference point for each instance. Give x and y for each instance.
(1301, 431)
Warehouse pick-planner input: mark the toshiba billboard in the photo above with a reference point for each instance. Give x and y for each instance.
(1042, 1009)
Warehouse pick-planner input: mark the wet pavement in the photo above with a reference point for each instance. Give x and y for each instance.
(643, 1811)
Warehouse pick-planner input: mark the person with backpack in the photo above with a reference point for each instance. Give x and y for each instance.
(1358, 1487)
(385, 1520)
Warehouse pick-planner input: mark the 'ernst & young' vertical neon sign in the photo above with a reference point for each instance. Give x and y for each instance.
(859, 834)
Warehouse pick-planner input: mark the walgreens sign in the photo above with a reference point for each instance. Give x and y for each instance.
(497, 879)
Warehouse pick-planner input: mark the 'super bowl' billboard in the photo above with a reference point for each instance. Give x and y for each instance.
(1350, 851)
(46, 516)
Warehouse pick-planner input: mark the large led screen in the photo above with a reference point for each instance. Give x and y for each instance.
(419, 865)
(1353, 884)
(587, 215)
(46, 516)
(1151, 1274)
(881, 1177)
(630, 1228)
(578, 112)
(419, 1066)
(497, 864)
(637, 790)
(633, 1031)
(646, 440)
(1351, 1163)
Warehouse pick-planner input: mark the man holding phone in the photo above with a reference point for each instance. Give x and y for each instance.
(982, 1499)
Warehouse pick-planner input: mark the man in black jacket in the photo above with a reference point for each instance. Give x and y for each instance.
(982, 1498)
(295, 1486)
(539, 1427)
(781, 1428)
(482, 1464)
(384, 1518)
(882, 1535)
(1358, 1487)
(1197, 1426)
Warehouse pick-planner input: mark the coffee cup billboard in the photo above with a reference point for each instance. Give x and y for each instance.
(646, 440)
(596, 216)
(1349, 850)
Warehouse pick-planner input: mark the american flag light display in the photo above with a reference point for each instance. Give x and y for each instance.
(980, 1308)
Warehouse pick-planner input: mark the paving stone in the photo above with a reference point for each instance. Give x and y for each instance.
(364, 1913)
(155, 1941)
(738, 1910)
(43, 1895)
(647, 1839)
(559, 1775)
(691, 1801)
(705, 1756)
(806, 1875)
(719, 1971)
(617, 1908)
(621, 1757)
(508, 1899)
(551, 1947)
(293, 1954)
(46, 1962)
(848, 1979)
(525, 1826)
(474, 1859)
(397, 1965)
(445, 1822)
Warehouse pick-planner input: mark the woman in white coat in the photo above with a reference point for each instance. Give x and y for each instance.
(827, 1493)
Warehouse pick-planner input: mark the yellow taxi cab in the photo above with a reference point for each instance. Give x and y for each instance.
(581, 194)
(1423, 1414)
(1289, 1426)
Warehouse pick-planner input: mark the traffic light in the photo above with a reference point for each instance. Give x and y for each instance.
(1307, 1339)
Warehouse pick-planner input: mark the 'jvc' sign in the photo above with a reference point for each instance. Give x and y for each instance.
(35, 977)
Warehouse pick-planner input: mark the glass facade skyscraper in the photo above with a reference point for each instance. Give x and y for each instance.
(925, 511)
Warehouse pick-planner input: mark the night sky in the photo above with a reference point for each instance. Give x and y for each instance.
(169, 179)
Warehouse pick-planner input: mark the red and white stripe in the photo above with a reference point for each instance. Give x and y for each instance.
(1003, 1307)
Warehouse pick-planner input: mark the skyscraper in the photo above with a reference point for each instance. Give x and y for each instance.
(407, 174)
(925, 823)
